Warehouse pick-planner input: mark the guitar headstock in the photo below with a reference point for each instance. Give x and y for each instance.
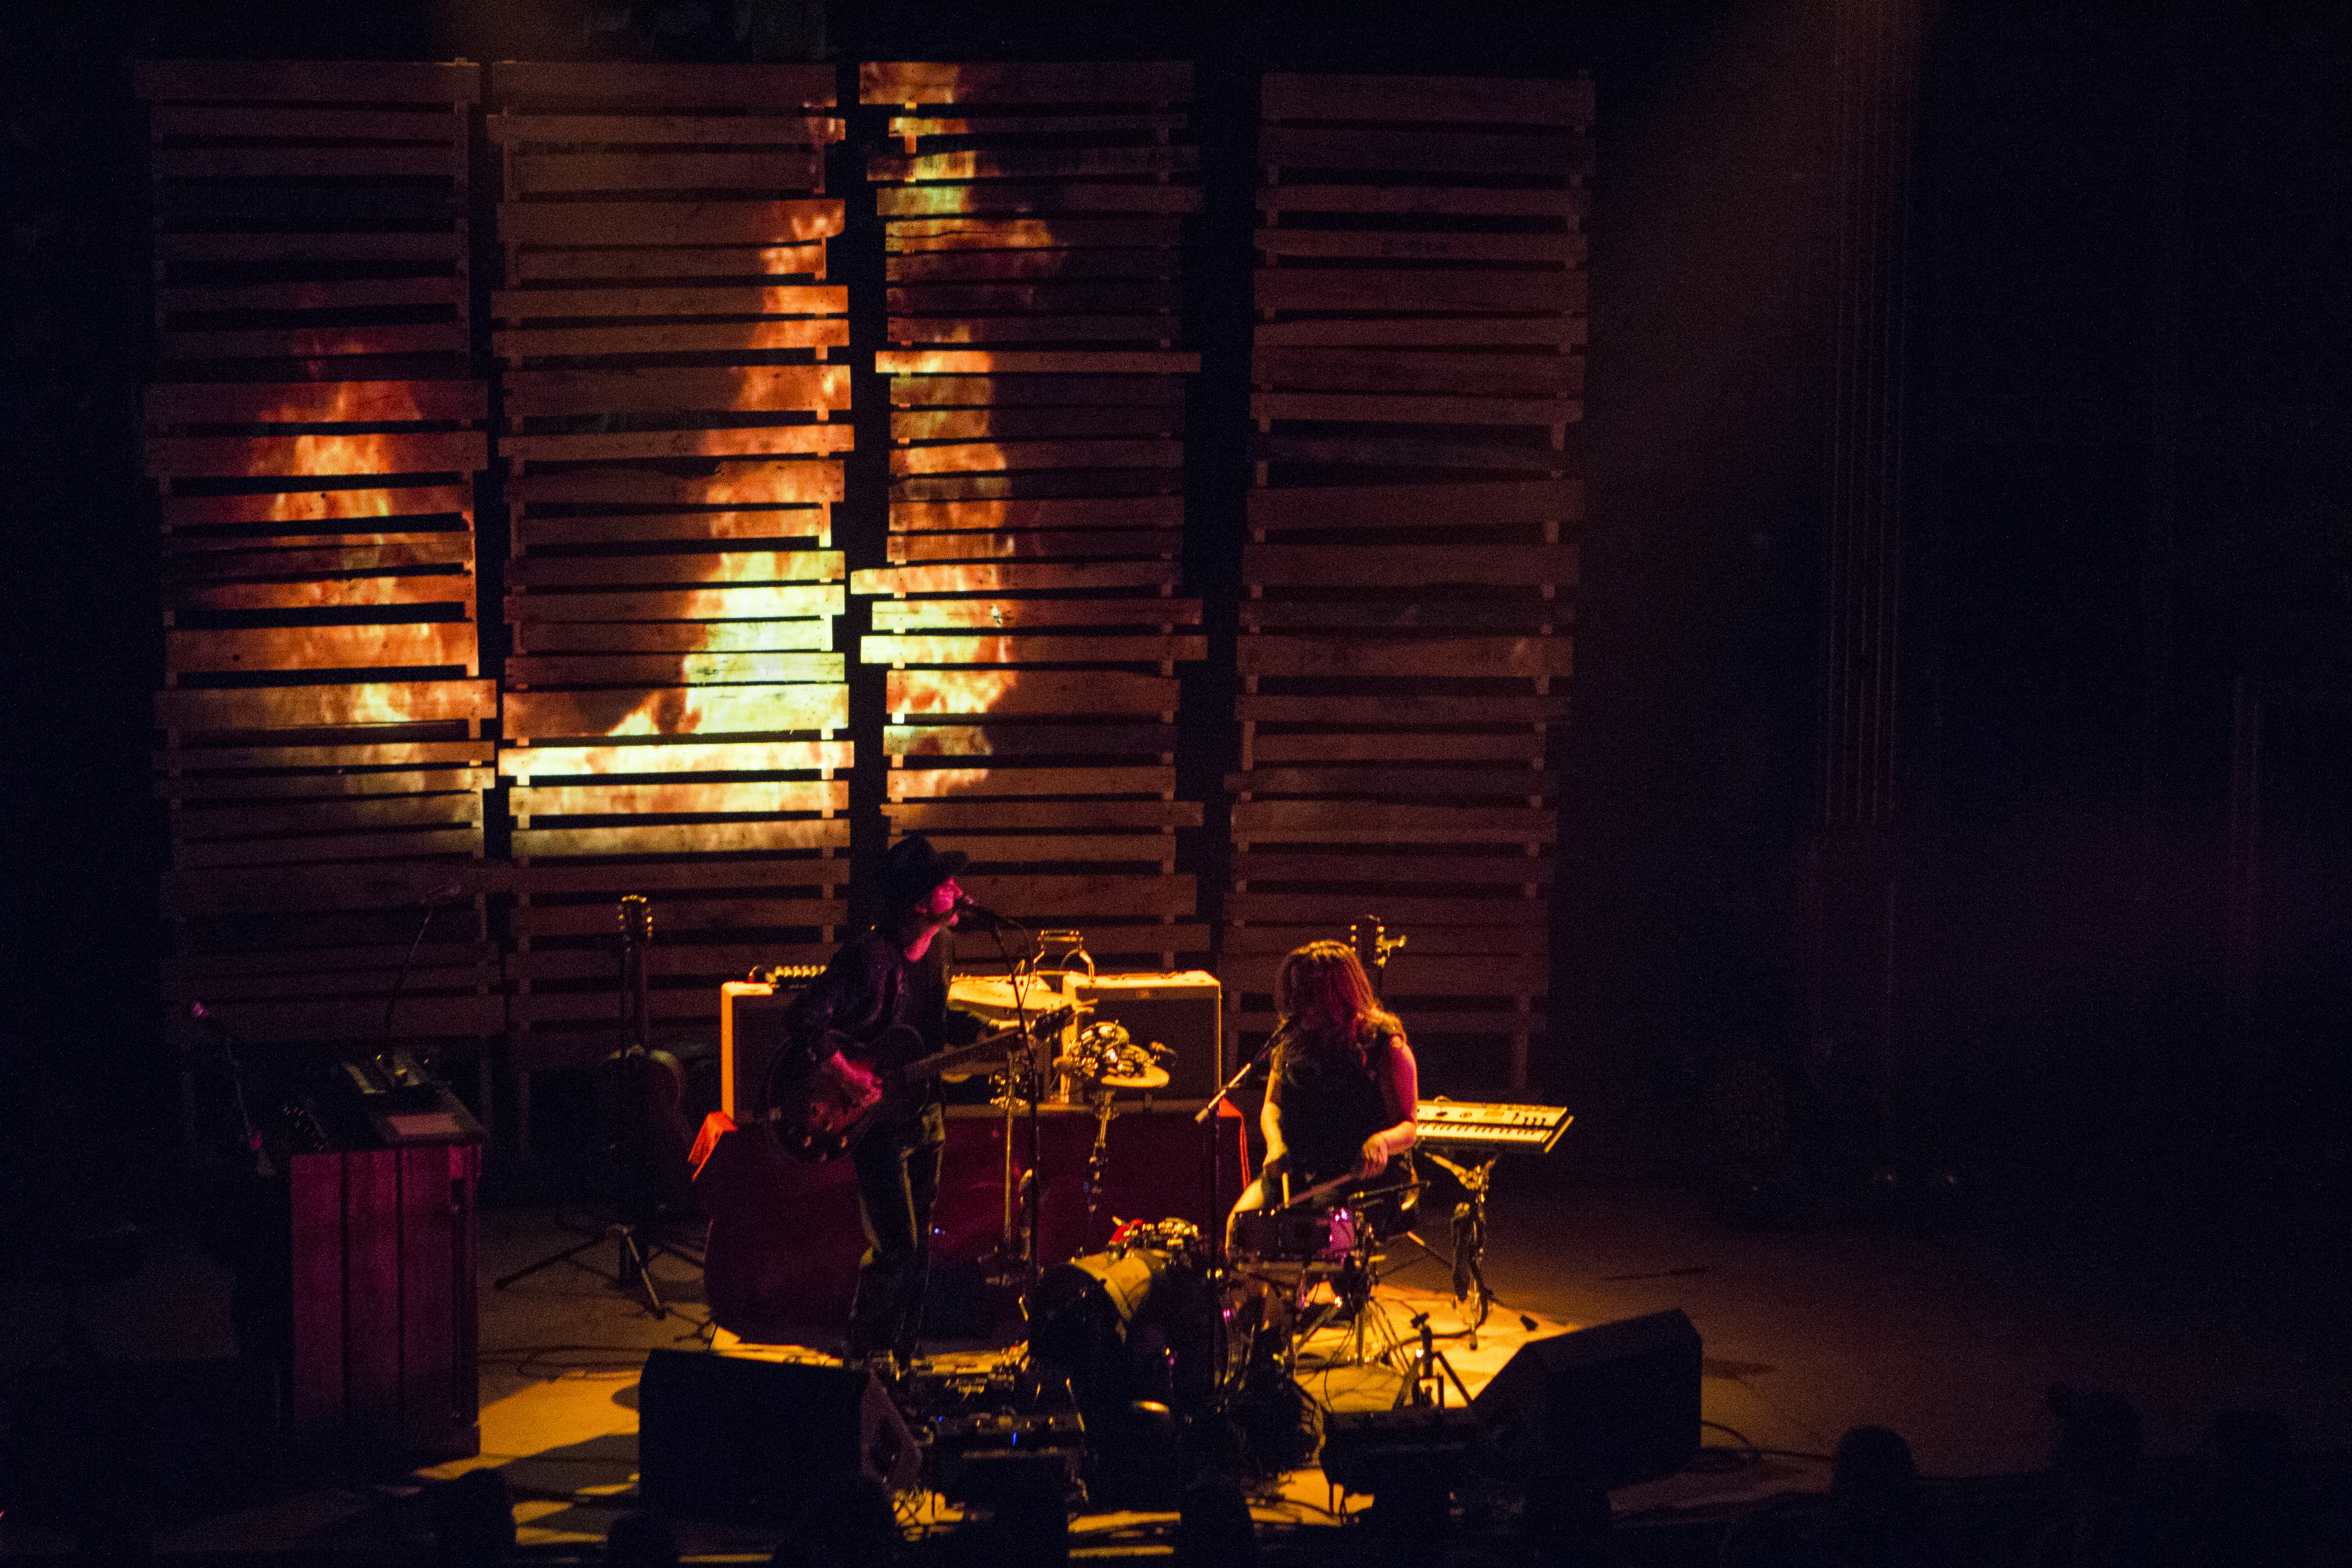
(637, 920)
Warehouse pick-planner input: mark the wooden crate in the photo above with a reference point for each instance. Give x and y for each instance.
(314, 433)
(673, 699)
(1411, 550)
(1030, 617)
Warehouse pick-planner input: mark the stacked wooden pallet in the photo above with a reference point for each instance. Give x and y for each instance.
(314, 431)
(1420, 303)
(1032, 627)
(673, 701)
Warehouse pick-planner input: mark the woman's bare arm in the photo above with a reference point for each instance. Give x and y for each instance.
(1400, 1087)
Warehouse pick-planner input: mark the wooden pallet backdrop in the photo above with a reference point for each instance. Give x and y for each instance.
(1420, 313)
(314, 429)
(1032, 627)
(674, 707)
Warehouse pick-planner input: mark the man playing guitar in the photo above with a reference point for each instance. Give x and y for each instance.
(892, 977)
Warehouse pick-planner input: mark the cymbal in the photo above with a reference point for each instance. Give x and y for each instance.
(1148, 1079)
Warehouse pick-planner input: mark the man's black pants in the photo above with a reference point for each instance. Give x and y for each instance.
(897, 1170)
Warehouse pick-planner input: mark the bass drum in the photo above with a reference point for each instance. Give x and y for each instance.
(1138, 1322)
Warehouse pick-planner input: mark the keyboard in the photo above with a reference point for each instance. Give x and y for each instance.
(1488, 1124)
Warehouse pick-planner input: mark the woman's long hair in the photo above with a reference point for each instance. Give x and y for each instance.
(1321, 991)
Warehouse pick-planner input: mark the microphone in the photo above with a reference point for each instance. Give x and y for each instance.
(448, 892)
(986, 919)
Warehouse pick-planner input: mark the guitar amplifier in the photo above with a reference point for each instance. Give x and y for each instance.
(1179, 1009)
(750, 1033)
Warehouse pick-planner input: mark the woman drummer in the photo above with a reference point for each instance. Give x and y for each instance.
(1342, 1091)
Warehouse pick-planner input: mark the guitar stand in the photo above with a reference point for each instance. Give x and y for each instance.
(635, 1247)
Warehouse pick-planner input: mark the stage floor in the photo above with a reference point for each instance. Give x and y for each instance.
(1951, 1339)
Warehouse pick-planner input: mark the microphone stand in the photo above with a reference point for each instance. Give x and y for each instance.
(1224, 1097)
(1028, 1081)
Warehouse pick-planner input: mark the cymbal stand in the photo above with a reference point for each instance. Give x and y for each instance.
(1470, 1239)
(1430, 1371)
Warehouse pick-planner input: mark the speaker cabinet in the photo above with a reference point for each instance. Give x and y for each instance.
(1177, 1009)
(750, 1033)
(1602, 1406)
(744, 1438)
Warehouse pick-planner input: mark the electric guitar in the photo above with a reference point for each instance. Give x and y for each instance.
(813, 1124)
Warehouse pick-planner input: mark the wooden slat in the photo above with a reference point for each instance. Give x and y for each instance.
(352, 593)
(1028, 739)
(1339, 909)
(693, 669)
(318, 457)
(1027, 692)
(969, 650)
(299, 506)
(1242, 942)
(1097, 542)
(685, 528)
(1411, 506)
(361, 885)
(1029, 424)
(446, 244)
(1389, 245)
(1075, 362)
(1364, 289)
(702, 85)
(685, 604)
(734, 566)
(930, 784)
(1443, 782)
(1414, 408)
(983, 457)
(672, 915)
(392, 755)
(668, 261)
(1031, 125)
(1401, 709)
(699, 838)
(278, 851)
(1032, 329)
(1486, 613)
(321, 707)
(308, 123)
(1370, 450)
(413, 645)
(440, 543)
(1129, 295)
(676, 710)
(349, 81)
(1406, 566)
(347, 294)
(676, 636)
(1093, 82)
(545, 880)
(386, 558)
(544, 173)
(1370, 867)
(302, 162)
(1425, 99)
(678, 799)
(1402, 370)
(911, 614)
(1136, 511)
(1051, 897)
(775, 300)
(976, 267)
(378, 963)
(665, 129)
(1032, 163)
(745, 337)
(1433, 201)
(1555, 157)
(947, 817)
(1363, 822)
(248, 786)
(1014, 577)
(265, 402)
(1376, 748)
(997, 233)
(669, 222)
(1022, 849)
(314, 343)
(944, 201)
(741, 441)
(977, 391)
(1410, 975)
(732, 756)
(1424, 331)
(741, 388)
(456, 808)
(735, 484)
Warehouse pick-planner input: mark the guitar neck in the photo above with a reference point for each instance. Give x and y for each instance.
(914, 1073)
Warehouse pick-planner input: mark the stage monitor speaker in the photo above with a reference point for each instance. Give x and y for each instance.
(1178, 1009)
(1603, 1407)
(740, 1438)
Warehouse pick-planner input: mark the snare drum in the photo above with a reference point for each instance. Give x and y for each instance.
(1297, 1235)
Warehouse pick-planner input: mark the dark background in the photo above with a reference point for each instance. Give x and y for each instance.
(2128, 433)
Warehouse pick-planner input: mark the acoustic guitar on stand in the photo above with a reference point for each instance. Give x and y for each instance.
(814, 1123)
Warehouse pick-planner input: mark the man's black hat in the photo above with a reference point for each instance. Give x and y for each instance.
(913, 869)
